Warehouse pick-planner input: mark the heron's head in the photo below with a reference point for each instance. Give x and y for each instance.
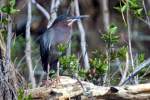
(67, 21)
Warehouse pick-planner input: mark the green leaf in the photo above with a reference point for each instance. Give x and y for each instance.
(61, 47)
(20, 93)
(5, 9)
(148, 13)
(4, 21)
(139, 11)
(113, 29)
(124, 8)
(12, 11)
(122, 52)
(118, 8)
(133, 3)
(141, 57)
(12, 3)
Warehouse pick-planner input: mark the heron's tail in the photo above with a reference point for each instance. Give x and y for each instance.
(44, 51)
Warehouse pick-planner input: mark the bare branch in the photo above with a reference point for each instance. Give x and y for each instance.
(129, 37)
(125, 70)
(105, 11)
(146, 13)
(28, 45)
(53, 10)
(138, 68)
(42, 9)
(82, 33)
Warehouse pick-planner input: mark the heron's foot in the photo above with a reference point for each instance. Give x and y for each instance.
(47, 83)
(58, 79)
(55, 82)
(51, 82)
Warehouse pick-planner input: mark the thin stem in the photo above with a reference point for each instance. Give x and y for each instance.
(138, 68)
(147, 17)
(129, 36)
(125, 70)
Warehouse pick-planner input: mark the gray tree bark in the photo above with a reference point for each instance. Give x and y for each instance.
(7, 73)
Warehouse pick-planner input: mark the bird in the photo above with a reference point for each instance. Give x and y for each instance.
(58, 33)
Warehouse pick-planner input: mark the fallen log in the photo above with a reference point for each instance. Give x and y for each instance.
(70, 88)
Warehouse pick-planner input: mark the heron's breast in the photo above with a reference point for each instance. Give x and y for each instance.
(62, 37)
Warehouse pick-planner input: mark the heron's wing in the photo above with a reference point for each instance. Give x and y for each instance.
(45, 45)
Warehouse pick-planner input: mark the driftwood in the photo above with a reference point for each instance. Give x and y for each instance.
(69, 88)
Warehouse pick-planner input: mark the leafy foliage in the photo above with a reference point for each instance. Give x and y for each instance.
(18, 43)
(69, 64)
(122, 53)
(99, 64)
(134, 6)
(9, 8)
(21, 95)
(62, 47)
(111, 37)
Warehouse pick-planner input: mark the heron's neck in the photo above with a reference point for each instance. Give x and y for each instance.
(64, 28)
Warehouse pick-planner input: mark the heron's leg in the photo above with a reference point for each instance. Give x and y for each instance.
(52, 82)
(56, 81)
(57, 76)
(48, 82)
(48, 72)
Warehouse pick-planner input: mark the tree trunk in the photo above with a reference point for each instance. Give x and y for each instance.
(7, 72)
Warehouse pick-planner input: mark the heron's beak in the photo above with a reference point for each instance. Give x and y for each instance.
(71, 20)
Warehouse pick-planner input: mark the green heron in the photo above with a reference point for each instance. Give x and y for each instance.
(58, 33)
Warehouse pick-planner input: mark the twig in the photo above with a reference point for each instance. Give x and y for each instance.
(69, 44)
(146, 73)
(144, 21)
(71, 31)
(129, 37)
(42, 9)
(82, 33)
(19, 63)
(28, 45)
(138, 68)
(145, 10)
(36, 65)
(118, 69)
(105, 12)
(125, 70)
